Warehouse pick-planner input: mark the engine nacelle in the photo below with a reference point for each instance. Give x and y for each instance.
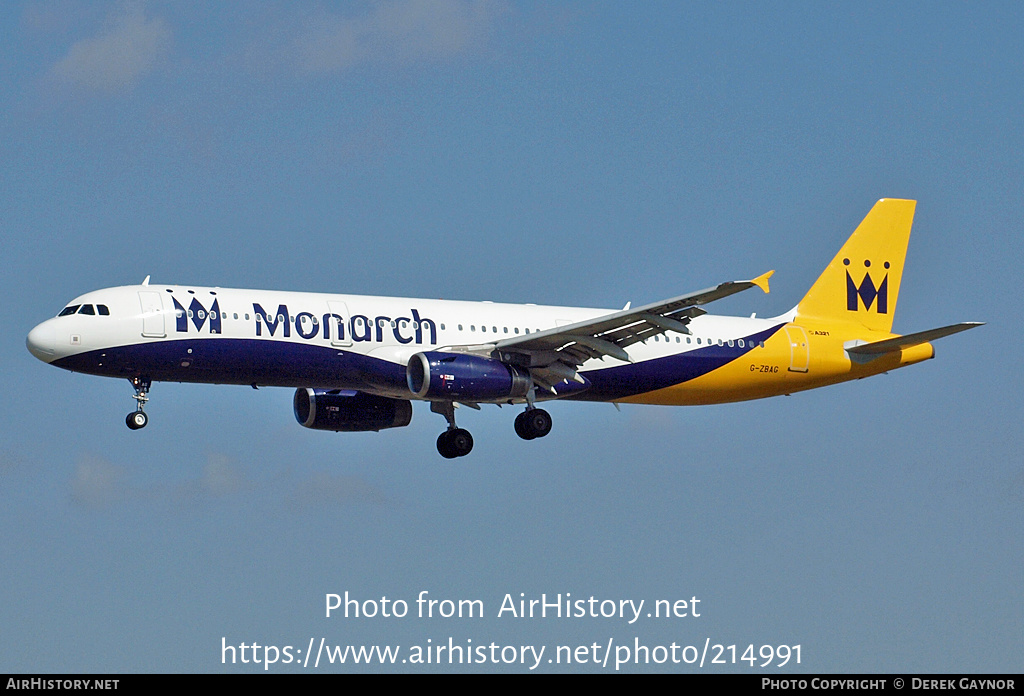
(349, 411)
(465, 377)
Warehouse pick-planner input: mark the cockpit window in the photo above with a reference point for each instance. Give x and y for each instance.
(89, 309)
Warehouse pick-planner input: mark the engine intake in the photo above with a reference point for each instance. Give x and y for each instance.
(349, 411)
(460, 376)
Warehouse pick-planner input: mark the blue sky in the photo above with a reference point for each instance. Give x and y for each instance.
(572, 153)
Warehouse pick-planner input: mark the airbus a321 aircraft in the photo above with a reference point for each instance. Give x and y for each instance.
(358, 362)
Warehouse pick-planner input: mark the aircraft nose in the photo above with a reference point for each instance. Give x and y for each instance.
(42, 341)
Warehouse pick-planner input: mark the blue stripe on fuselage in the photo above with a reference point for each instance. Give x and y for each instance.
(290, 364)
(244, 361)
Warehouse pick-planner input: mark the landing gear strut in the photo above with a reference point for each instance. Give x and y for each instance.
(533, 423)
(138, 418)
(455, 441)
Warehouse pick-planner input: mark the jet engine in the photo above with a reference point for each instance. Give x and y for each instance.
(349, 411)
(465, 377)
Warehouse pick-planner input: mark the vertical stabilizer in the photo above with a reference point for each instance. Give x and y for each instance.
(863, 281)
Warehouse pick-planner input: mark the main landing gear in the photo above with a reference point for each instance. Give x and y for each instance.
(138, 418)
(533, 423)
(455, 441)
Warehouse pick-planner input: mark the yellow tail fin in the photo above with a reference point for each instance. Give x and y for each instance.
(863, 281)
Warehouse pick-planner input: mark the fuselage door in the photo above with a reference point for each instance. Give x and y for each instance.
(336, 323)
(799, 352)
(152, 314)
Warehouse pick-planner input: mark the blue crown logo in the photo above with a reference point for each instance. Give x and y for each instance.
(867, 291)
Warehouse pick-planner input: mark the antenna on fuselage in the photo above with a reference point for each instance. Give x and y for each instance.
(146, 281)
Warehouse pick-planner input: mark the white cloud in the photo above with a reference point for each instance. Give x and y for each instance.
(397, 31)
(220, 477)
(119, 57)
(97, 483)
(336, 489)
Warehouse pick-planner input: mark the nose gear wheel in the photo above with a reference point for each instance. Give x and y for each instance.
(138, 419)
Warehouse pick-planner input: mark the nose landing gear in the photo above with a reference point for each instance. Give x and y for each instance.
(138, 418)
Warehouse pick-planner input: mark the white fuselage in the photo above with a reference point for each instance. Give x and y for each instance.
(298, 339)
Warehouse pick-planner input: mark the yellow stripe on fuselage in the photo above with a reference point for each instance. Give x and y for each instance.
(795, 358)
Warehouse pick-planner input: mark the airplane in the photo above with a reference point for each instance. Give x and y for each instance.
(358, 362)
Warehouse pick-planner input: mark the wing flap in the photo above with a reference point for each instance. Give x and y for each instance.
(554, 355)
(611, 333)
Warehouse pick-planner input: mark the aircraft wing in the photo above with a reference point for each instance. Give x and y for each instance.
(554, 354)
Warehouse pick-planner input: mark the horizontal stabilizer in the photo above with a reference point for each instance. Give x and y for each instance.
(891, 345)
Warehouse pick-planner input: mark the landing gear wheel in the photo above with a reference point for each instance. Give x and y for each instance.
(536, 422)
(462, 442)
(520, 426)
(137, 419)
(454, 443)
(444, 446)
